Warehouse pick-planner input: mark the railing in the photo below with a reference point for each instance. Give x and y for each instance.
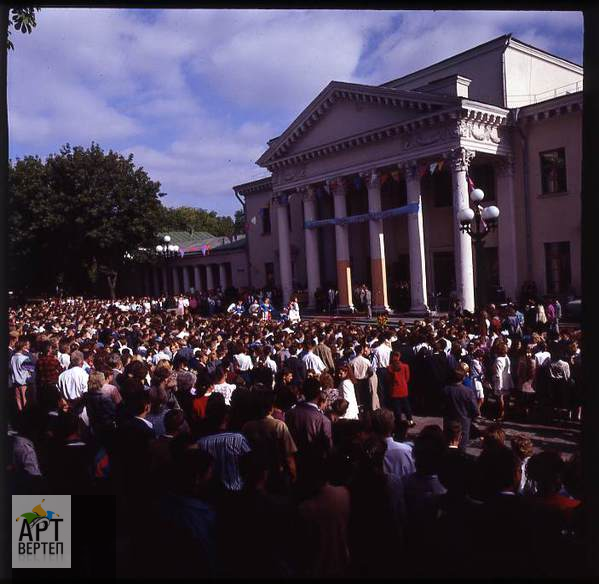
(545, 95)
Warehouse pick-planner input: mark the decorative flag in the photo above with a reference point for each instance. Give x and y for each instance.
(440, 165)
(384, 178)
(253, 219)
(181, 252)
(471, 186)
(432, 167)
(422, 170)
(357, 182)
(395, 175)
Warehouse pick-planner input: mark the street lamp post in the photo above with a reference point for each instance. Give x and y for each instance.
(166, 252)
(477, 222)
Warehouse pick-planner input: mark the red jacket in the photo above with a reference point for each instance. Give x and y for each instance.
(398, 380)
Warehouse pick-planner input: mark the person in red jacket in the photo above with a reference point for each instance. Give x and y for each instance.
(398, 376)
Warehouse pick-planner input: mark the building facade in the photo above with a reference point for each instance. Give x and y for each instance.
(367, 181)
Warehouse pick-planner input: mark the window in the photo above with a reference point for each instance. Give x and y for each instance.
(483, 177)
(265, 212)
(553, 171)
(557, 267)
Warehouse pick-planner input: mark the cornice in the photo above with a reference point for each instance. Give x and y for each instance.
(551, 108)
(484, 120)
(263, 184)
(337, 90)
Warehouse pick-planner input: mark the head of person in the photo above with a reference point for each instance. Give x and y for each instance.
(175, 423)
(546, 470)
(493, 438)
(158, 399)
(429, 450)
(339, 408)
(139, 404)
(500, 471)
(453, 433)
(76, 359)
(521, 447)
(96, 381)
(311, 389)
(263, 402)
(383, 422)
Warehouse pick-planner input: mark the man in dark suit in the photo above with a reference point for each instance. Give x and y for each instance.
(459, 403)
(296, 365)
(133, 437)
(439, 374)
(310, 428)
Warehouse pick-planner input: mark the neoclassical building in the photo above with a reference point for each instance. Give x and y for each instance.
(366, 183)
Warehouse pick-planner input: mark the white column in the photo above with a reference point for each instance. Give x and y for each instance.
(196, 278)
(164, 281)
(378, 269)
(506, 236)
(312, 257)
(342, 244)
(222, 272)
(156, 289)
(464, 275)
(418, 290)
(209, 277)
(284, 247)
(185, 279)
(175, 280)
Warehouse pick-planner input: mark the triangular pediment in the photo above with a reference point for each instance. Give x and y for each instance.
(347, 109)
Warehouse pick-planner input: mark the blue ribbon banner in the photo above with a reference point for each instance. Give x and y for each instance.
(388, 213)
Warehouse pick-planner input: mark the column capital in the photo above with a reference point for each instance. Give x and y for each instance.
(338, 186)
(372, 178)
(410, 169)
(307, 192)
(461, 158)
(505, 166)
(280, 200)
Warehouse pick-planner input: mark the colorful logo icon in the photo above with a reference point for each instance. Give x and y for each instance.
(37, 514)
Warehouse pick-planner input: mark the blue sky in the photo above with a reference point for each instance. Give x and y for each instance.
(196, 94)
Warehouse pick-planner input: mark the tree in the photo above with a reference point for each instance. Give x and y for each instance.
(22, 19)
(78, 214)
(195, 219)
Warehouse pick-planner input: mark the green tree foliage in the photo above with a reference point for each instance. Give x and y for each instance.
(75, 216)
(196, 219)
(22, 19)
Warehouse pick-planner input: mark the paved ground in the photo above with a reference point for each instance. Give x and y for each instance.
(563, 437)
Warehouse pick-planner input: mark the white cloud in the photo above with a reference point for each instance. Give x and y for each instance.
(195, 94)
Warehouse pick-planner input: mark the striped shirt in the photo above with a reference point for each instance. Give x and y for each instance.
(226, 448)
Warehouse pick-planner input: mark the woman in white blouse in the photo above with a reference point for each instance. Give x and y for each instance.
(347, 391)
(502, 378)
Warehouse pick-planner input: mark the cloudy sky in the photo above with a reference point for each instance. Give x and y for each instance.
(196, 94)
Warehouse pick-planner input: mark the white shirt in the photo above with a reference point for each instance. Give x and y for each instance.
(502, 375)
(271, 365)
(541, 357)
(398, 458)
(226, 389)
(360, 366)
(381, 356)
(348, 392)
(160, 355)
(64, 359)
(72, 383)
(243, 361)
(314, 362)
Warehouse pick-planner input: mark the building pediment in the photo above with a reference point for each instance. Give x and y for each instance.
(342, 110)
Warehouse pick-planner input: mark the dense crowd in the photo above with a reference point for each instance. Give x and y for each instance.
(243, 444)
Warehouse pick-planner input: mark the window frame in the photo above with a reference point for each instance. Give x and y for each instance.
(564, 191)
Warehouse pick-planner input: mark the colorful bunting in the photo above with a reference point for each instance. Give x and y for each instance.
(253, 219)
(471, 186)
(422, 170)
(440, 165)
(358, 182)
(395, 175)
(384, 178)
(432, 167)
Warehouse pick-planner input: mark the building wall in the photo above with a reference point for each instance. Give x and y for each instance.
(261, 247)
(554, 218)
(484, 69)
(528, 75)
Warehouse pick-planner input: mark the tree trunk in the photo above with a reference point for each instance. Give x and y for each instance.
(112, 284)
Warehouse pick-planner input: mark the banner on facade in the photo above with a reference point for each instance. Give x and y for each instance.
(386, 214)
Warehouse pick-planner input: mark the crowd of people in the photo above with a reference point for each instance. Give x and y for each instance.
(252, 446)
